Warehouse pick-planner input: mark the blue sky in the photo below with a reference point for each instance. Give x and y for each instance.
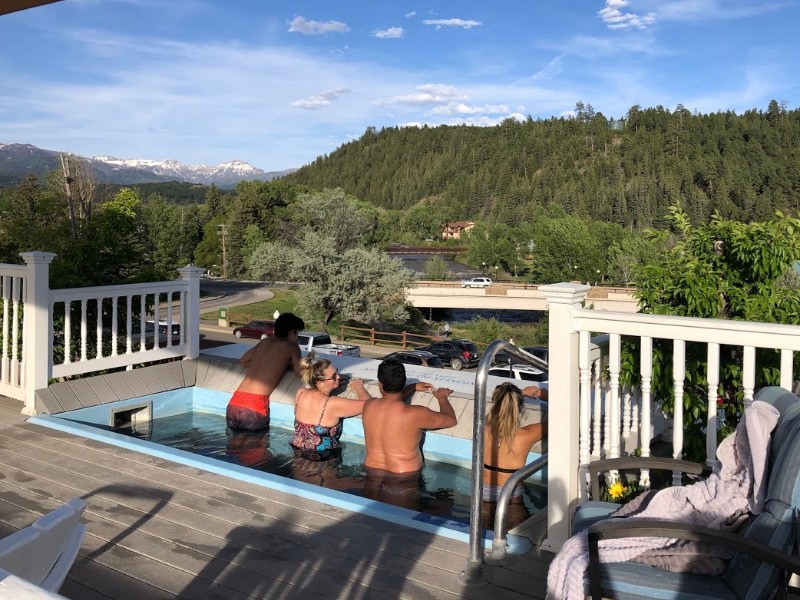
(277, 84)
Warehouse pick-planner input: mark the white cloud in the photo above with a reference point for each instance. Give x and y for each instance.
(320, 100)
(390, 33)
(614, 16)
(413, 13)
(430, 93)
(301, 25)
(486, 121)
(439, 23)
(692, 10)
(459, 108)
(550, 70)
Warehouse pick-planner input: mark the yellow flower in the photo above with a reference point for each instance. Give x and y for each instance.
(616, 490)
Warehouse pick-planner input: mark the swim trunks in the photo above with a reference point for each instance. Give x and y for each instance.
(317, 438)
(248, 411)
(249, 448)
(399, 489)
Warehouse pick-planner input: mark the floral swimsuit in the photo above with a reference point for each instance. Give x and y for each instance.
(317, 439)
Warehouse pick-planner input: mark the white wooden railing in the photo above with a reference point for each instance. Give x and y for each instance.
(100, 328)
(12, 374)
(600, 416)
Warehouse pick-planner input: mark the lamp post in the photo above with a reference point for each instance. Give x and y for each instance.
(483, 265)
(496, 267)
(597, 277)
(574, 272)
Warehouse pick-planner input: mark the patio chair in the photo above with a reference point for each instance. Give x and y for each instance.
(764, 553)
(43, 552)
(596, 510)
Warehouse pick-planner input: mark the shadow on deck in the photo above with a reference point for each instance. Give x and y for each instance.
(156, 529)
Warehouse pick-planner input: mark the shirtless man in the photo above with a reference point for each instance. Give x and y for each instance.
(266, 362)
(393, 429)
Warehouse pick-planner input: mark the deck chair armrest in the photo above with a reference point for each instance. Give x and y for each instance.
(612, 529)
(639, 462)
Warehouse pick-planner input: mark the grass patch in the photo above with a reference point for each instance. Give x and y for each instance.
(283, 301)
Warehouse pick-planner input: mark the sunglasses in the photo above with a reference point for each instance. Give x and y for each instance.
(333, 377)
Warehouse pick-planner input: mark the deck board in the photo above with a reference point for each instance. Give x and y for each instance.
(159, 530)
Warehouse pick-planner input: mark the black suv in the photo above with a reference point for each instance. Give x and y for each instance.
(456, 353)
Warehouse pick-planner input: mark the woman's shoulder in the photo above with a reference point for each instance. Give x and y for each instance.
(305, 392)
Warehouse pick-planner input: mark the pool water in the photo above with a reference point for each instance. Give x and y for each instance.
(442, 490)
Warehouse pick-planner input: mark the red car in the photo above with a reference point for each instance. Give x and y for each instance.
(256, 329)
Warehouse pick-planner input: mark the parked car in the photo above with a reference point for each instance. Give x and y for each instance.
(522, 372)
(163, 328)
(501, 358)
(321, 343)
(256, 329)
(421, 358)
(476, 282)
(456, 353)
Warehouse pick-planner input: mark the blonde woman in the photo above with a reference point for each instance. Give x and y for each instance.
(506, 447)
(318, 414)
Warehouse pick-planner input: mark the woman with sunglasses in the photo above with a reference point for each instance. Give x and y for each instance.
(506, 446)
(318, 413)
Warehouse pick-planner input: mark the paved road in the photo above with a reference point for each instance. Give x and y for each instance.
(227, 293)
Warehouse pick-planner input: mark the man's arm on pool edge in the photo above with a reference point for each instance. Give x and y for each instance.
(446, 417)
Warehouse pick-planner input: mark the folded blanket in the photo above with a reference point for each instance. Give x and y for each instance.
(735, 489)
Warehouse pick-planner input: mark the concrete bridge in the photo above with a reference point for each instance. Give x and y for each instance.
(510, 296)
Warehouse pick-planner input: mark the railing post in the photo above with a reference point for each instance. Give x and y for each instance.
(405, 340)
(372, 336)
(36, 328)
(191, 310)
(562, 470)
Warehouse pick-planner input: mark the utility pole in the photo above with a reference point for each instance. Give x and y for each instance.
(223, 231)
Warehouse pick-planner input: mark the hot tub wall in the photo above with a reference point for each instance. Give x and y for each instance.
(222, 374)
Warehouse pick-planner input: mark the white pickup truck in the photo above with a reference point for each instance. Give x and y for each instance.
(321, 344)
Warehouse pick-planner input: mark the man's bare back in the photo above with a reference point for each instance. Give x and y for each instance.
(393, 429)
(267, 362)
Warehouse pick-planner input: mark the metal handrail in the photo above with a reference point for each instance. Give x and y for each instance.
(499, 548)
(474, 573)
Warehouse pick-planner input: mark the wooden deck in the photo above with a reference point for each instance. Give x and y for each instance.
(159, 530)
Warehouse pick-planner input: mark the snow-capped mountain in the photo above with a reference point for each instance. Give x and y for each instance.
(235, 170)
(17, 161)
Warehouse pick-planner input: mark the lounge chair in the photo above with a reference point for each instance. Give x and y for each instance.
(765, 552)
(43, 553)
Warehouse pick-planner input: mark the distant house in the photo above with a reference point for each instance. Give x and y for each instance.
(452, 231)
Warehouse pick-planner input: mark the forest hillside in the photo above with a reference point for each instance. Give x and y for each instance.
(627, 172)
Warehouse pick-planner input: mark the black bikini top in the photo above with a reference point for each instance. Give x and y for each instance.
(498, 469)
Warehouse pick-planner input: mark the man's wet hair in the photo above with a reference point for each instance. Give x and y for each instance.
(392, 375)
(287, 322)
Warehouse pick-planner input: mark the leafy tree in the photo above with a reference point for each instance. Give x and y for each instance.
(273, 261)
(631, 252)
(722, 269)
(436, 268)
(357, 283)
(170, 234)
(343, 277)
(567, 248)
(208, 251)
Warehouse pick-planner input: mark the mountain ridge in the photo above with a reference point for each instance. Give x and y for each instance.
(18, 161)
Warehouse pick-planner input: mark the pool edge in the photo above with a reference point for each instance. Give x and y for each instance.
(393, 514)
